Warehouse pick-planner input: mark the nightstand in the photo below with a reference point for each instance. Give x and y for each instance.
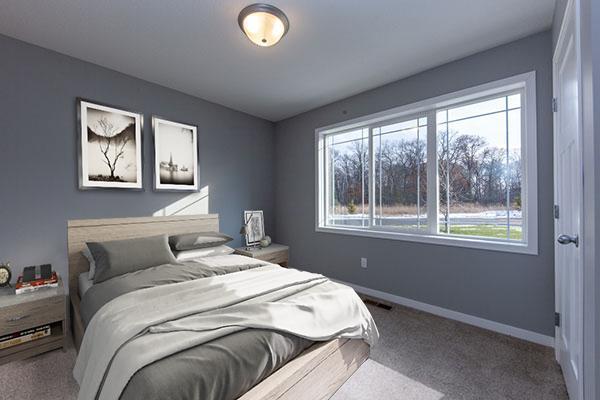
(275, 253)
(30, 310)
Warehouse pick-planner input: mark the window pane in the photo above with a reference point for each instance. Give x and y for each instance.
(515, 174)
(401, 176)
(479, 171)
(472, 110)
(399, 126)
(342, 138)
(348, 171)
(442, 116)
(514, 101)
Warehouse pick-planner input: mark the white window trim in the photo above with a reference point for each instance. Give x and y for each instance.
(525, 82)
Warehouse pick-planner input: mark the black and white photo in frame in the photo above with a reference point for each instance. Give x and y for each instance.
(175, 155)
(110, 147)
(255, 227)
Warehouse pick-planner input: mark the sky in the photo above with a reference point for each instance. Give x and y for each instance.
(492, 127)
(179, 142)
(119, 121)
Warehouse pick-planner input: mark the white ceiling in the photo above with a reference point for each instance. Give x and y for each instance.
(334, 48)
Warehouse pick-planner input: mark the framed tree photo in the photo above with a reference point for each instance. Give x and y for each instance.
(175, 155)
(110, 147)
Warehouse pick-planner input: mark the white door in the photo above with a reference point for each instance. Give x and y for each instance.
(568, 176)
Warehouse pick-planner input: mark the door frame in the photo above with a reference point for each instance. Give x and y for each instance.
(571, 15)
(590, 67)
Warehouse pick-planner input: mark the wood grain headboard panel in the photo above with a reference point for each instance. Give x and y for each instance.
(100, 230)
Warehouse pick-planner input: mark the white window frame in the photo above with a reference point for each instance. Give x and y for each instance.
(526, 84)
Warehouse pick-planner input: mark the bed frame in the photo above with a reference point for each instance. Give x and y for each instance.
(317, 373)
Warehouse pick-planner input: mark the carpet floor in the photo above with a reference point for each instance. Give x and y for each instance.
(420, 356)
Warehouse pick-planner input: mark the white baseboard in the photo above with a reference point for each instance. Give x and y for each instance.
(457, 316)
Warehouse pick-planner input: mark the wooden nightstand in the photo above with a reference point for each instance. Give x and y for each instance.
(26, 311)
(275, 253)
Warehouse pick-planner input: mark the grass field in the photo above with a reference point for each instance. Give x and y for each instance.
(401, 209)
(494, 231)
(486, 231)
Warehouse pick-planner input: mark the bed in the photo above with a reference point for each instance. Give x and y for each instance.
(316, 370)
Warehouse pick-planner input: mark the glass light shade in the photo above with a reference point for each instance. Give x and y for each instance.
(263, 24)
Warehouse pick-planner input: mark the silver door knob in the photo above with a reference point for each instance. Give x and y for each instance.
(568, 239)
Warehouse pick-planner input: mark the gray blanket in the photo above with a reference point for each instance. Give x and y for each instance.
(224, 368)
(101, 293)
(184, 315)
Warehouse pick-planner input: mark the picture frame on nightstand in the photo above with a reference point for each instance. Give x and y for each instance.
(254, 227)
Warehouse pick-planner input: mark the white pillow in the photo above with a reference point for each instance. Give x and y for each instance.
(88, 254)
(206, 252)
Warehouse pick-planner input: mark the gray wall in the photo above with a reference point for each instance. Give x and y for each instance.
(513, 289)
(38, 173)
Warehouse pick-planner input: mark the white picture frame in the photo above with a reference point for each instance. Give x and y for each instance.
(255, 226)
(175, 155)
(110, 147)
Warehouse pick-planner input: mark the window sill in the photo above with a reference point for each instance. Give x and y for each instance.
(455, 241)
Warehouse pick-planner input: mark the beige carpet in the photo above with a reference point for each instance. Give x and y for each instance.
(420, 356)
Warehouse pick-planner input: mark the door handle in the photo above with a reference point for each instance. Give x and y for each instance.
(568, 239)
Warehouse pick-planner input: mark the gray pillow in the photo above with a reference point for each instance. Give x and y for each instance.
(200, 240)
(118, 257)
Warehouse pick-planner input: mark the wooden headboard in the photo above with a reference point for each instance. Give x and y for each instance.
(99, 230)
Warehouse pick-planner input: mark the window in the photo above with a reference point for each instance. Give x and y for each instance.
(459, 169)
(348, 160)
(400, 153)
(479, 168)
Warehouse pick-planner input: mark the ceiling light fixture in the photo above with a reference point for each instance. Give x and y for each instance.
(264, 24)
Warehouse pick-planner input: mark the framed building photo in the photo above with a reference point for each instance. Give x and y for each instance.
(255, 227)
(110, 147)
(175, 155)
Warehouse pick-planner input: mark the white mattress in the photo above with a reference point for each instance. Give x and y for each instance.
(84, 283)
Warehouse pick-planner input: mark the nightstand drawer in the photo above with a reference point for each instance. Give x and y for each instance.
(275, 253)
(33, 313)
(275, 257)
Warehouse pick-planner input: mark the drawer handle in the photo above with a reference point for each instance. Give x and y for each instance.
(14, 319)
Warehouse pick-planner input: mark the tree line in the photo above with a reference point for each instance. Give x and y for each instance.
(470, 173)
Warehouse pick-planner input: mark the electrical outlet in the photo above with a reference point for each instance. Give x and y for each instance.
(363, 262)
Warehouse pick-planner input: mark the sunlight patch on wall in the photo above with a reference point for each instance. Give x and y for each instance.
(194, 203)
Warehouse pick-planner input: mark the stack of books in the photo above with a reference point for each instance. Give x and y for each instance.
(35, 278)
(25, 336)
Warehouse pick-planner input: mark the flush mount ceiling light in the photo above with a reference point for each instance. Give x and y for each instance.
(264, 24)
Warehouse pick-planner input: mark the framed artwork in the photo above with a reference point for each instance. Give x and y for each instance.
(175, 155)
(110, 147)
(255, 227)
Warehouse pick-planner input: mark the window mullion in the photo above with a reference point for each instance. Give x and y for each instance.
(507, 173)
(432, 174)
(380, 183)
(371, 178)
(327, 178)
(526, 158)
(362, 179)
